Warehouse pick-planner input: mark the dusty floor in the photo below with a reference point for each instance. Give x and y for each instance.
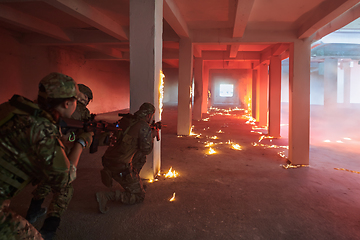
(232, 194)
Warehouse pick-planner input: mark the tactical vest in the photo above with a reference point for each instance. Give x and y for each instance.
(11, 173)
(125, 146)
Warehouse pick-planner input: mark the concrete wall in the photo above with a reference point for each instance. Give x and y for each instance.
(23, 66)
(240, 78)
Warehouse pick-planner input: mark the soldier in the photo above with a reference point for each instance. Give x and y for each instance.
(61, 199)
(31, 150)
(124, 160)
(86, 95)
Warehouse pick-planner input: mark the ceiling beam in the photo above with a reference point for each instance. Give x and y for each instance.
(234, 48)
(79, 37)
(91, 16)
(338, 23)
(197, 51)
(113, 52)
(224, 36)
(174, 19)
(323, 14)
(279, 48)
(31, 23)
(99, 56)
(243, 10)
(224, 55)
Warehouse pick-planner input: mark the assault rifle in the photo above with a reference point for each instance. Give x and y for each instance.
(97, 127)
(156, 126)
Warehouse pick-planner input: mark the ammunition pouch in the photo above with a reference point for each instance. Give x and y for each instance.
(106, 177)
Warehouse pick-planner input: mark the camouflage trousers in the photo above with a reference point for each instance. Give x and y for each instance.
(60, 200)
(134, 189)
(15, 227)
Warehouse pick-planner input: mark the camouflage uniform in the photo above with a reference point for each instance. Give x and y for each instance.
(30, 150)
(123, 161)
(62, 197)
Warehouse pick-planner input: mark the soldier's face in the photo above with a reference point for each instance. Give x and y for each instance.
(149, 117)
(70, 106)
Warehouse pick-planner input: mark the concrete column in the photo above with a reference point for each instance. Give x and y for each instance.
(205, 81)
(185, 81)
(299, 101)
(146, 22)
(274, 96)
(262, 95)
(330, 82)
(347, 75)
(253, 97)
(199, 90)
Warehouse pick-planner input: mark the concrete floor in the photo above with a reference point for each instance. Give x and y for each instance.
(233, 194)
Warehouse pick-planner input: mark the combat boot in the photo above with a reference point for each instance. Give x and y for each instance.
(48, 230)
(103, 197)
(35, 210)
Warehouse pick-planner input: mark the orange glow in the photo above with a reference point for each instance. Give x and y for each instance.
(173, 198)
(161, 92)
(236, 146)
(288, 166)
(214, 137)
(171, 173)
(344, 169)
(211, 151)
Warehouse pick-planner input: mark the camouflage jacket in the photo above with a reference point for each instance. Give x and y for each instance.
(81, 113)
(136, 136)
(30, 150)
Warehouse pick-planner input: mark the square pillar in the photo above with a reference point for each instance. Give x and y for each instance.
(274, 96)
(206, 100)
(347, 74)
(253, 97)
(262, 95)
(299, 102)
(330, 82)
(199, 90)
(146, 22)
(184, 87)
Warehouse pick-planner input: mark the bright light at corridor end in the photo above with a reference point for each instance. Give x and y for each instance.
(226, 90)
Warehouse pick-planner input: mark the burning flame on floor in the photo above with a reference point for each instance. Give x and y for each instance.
(236, 146)
(344, 169)
(211, 151)
(214, 137)
(205, 119)
(173, 198)
(171, 173)
(265, 137)
(208, 144)
(291, 166)
(220, 131)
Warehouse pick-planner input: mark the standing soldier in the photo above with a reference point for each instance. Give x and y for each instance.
(135, 141)
(31, 150)
(62, 198)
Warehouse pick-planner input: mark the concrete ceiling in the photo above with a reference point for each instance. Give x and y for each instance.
(221, 30)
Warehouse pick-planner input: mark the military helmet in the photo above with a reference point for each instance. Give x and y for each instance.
(145, 109)
(85, 90)
(58, 85)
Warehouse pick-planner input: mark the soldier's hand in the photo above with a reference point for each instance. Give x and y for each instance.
(87, 137)
(153, 133)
